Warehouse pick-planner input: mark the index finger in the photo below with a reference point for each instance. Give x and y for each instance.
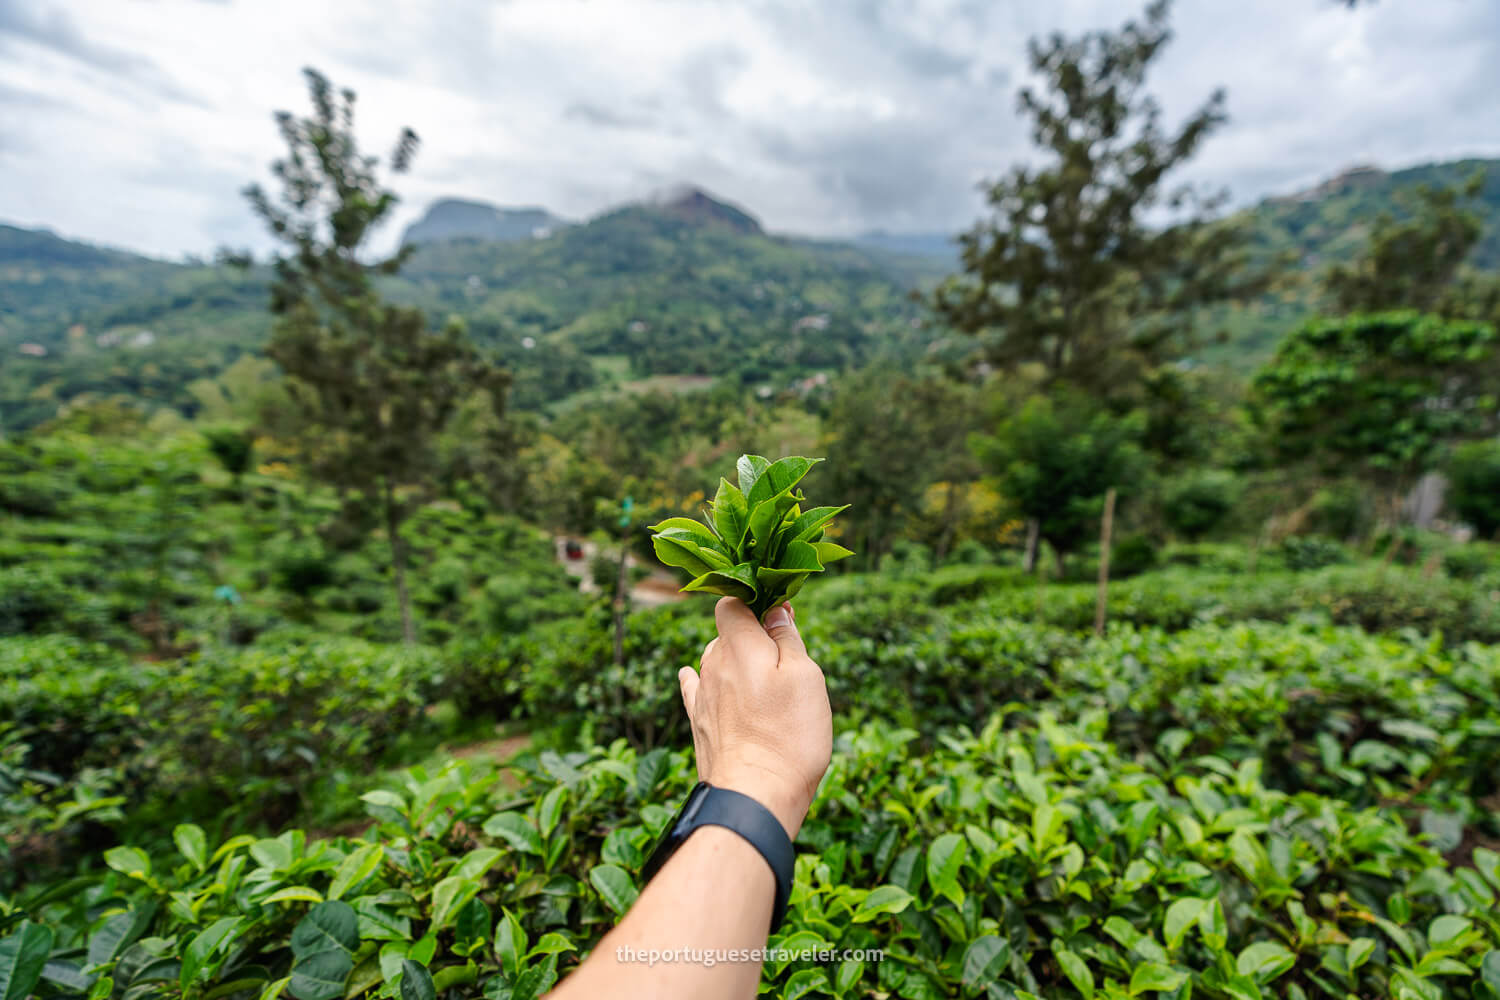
(740, 629)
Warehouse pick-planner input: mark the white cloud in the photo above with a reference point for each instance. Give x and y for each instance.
(136, 123)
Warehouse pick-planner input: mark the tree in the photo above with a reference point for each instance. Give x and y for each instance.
(1068, 274)
(1054, 458)
(373, 387)
(893, 435)
(232, 448)
(1379, 394)
(1413, 263)
(1474, 486)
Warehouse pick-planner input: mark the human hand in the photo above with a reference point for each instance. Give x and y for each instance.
(762, 725)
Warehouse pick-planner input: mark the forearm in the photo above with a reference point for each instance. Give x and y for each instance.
(713, 896)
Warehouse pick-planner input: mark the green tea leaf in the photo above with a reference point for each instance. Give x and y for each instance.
(510, 943)
(416, 982)
(945, 857)
(111, 937)
(615, 887)
(23, 955)
(1264, 961)
(805, 982)
(778, 477)
(810, 522)
(1155, 977)
(1181, 915)
(675, 548)
(516, 830)
(192, 843)
(448, 896)
(750, 468)
(731, 516)
(828, 552)
(131, 861)
(1076, 969)
(885, 899)
(203, 946)
(1489, 970)
(736, 581)
(357, 866)
(983, 959)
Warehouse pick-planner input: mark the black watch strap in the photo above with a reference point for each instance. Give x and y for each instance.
(710, 806)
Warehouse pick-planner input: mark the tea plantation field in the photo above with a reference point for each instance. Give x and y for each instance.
(1283, 785)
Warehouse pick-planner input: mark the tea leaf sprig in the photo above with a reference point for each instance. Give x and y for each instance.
(756, 543)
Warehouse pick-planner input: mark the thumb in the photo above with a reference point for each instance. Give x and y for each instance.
(687, 677)
(781, 627)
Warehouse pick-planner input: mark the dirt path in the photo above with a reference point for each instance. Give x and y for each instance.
(659, 587)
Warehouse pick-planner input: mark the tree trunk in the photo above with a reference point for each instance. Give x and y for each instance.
(950, 524)
(398, 564)
(1106, 530)
(1033, 532)
(622, 590)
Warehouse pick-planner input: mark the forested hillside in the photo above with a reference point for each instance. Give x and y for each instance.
(645, 290)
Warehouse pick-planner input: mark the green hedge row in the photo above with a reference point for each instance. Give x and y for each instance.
(1031, 859)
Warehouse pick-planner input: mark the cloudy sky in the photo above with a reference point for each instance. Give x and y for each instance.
(136, 122)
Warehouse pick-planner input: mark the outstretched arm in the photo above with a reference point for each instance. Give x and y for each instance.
(761, 726)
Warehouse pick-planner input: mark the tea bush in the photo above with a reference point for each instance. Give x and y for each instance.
(1029, 859)
(231, 734)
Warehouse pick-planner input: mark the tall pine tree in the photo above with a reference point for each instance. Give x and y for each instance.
(373, 385)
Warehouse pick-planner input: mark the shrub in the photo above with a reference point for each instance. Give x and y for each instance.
(1197, 503)
(969, 552)
(1474, 486)
(1467, 562)
(1131, 556)
(1342, 510)
(1304, 552)
(1068, 869)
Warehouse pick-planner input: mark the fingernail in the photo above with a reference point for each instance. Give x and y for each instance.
(778, 618)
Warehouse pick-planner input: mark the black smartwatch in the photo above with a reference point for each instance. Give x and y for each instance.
(710, 806)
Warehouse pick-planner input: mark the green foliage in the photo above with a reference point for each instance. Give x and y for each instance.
(756, 543)
(1302, 552)
(1132, 555)
(1382, 393)
(1474, 486)
(1196, 503)
(233, 447)
(1412, 264)
(1054, 459)
(1341, 510)
(1468, 562)
(891, 435)
(1072, 867)
(240, 734)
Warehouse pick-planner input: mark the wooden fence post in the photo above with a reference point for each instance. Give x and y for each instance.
(1106, 529)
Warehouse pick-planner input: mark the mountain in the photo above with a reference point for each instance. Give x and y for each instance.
(683, 286)
(1330, 221)
(453, 218)
(694, 205)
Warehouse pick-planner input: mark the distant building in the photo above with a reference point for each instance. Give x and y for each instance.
(817, 322)
(33, 350)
